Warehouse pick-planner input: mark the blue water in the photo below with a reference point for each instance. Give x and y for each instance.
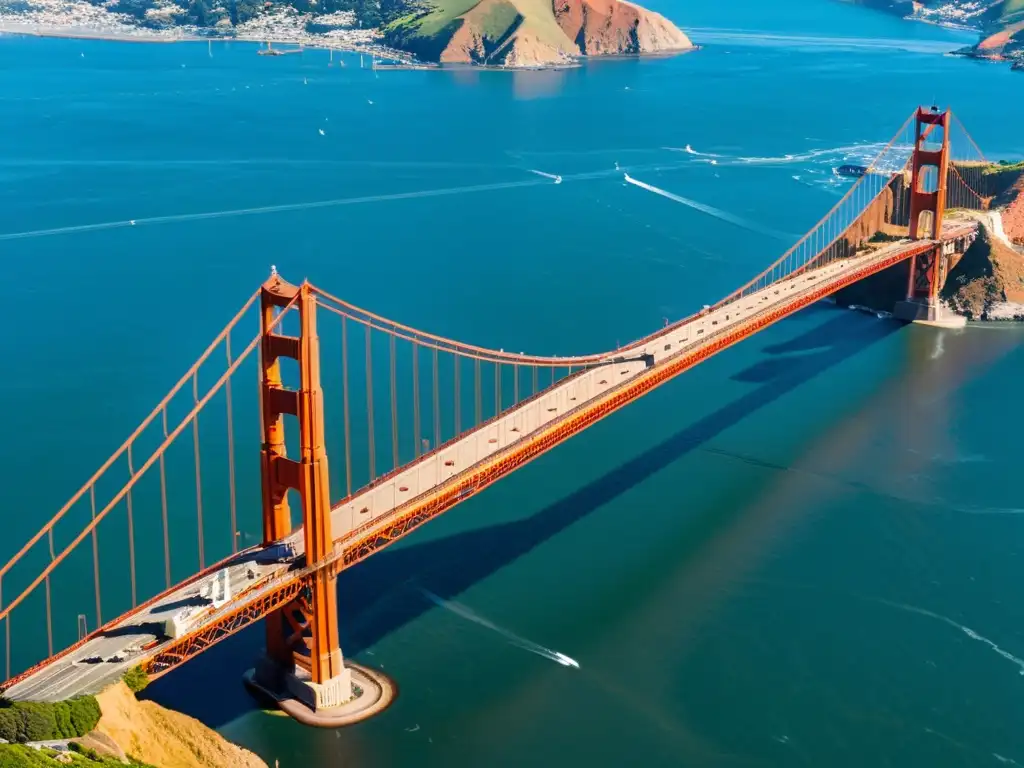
(769, 560)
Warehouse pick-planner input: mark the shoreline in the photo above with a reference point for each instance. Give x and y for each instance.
(397, 60)
(130, 35)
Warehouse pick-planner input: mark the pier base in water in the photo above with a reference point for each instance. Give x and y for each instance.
(926, 313)
(354, 696)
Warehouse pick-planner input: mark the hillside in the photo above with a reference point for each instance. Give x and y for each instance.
(163, 737)
(530, 33)
(1000, 23)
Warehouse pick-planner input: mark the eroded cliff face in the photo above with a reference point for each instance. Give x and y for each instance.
(988, 282)
(609, 27)
(165, 738)
(536, 33)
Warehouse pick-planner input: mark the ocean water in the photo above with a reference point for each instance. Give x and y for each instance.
(804, 552)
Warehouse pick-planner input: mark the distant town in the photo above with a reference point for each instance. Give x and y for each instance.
(166, 21)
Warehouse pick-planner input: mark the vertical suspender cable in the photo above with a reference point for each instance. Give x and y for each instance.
(369, 401)
(416, 399)
(515, 383)
(199, 481)
(131, 527)
(437, 406)
(49, 604)
(7, 646)
(477, 403)
(344, 390)
(535, 376)
(394, 407)
(96, 559)
(232, 499)
(163, 513)
(458, 403)
(497, 388)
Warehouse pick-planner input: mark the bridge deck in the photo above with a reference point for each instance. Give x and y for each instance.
(378, 515)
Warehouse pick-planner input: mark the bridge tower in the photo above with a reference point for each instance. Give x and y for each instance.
(303, 656)
(929, 169)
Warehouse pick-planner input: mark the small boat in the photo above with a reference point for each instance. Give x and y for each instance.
(851, 171)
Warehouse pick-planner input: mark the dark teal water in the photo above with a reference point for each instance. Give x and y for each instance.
(805, 552)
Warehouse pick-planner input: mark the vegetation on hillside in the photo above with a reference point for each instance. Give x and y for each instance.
(1003, 166)
(20, 756)
(23, 721)
(136, 679)
(226, 14)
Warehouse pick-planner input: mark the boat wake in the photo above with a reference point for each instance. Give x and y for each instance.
(710, 210)
(466, 613)
(818, 167)
(966, 630)
(554, 177)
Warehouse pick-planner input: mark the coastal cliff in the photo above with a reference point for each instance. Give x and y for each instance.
(988, 282)
(162, 737)
(999, 22)
(533, 33)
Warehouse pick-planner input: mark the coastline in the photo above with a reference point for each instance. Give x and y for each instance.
(85, 33)
(397, 60)
(127, 34)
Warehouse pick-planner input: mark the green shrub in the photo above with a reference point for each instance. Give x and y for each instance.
(85, 713)
(19, 756)
(23, 721)
(136, 679)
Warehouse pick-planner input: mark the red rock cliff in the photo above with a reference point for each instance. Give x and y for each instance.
(602, 27)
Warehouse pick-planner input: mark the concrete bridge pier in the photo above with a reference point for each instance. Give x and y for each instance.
(927, 312)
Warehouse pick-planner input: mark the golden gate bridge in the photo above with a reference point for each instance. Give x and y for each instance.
(426, 422)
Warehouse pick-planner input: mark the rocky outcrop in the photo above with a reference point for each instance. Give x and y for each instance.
(536, 33)
(988, 282)
(1006, 44)
(1013, 213)
(608, 27)
(161, 737)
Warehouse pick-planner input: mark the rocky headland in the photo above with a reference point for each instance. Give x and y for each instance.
(532, 33)
(1000, 23)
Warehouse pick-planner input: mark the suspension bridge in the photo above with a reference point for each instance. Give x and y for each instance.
(425, 423)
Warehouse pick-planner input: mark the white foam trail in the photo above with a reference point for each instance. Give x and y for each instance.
(260, 210)
(51, 163)
(966, 630)
(1006, 760)
(708, 209)
(691, 151)
(991, 510)
(552, 176)
(185, 217)
(855, 153)
(521, 642)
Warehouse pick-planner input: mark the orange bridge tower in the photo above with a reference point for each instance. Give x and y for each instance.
(303, 657)
(929, 173)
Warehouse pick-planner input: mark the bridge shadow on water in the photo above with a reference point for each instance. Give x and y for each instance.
(208, 687)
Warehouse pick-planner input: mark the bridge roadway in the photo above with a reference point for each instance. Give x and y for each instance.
(400, 502)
